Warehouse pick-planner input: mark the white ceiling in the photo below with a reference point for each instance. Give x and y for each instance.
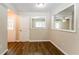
(30, 7)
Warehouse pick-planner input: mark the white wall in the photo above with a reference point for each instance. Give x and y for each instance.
(67, 41)
(3, 29)
(37, 34)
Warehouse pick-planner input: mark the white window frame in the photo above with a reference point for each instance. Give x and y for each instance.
(38, 27)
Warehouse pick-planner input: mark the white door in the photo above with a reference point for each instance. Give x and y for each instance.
(24, 28)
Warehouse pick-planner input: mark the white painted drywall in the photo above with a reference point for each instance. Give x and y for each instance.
(67, 41)
(3, 29)
(35, 34)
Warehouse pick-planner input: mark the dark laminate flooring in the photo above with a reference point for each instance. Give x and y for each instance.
(32, 48)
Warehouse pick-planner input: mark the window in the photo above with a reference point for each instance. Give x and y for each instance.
(11, 23)
(38, 22)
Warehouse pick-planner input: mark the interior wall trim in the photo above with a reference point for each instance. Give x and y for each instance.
(31, 41)
(59, 48)
(4, 52)
(38, 40)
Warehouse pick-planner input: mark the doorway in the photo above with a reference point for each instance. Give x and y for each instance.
(18, 27)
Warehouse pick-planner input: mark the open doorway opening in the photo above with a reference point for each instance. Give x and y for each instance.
(13, 26)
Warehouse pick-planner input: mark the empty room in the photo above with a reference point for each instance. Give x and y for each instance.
(39, 28)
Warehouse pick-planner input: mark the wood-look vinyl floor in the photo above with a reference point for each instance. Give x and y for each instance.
(32, 48)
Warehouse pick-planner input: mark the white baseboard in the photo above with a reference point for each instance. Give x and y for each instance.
(4, 52)
(59, 48)
(38, 40)
(34, 41)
